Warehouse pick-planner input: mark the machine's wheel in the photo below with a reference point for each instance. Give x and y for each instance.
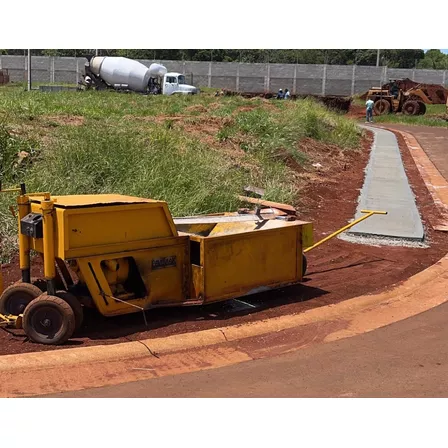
(304, 265)
(75, 306)
(422, 107)
(411, 108)
(381, 107)
(49, 320)
(16, 297)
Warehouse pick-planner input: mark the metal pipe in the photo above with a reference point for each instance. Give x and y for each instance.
(369, 213)
(10, 190)
(48, 244)
(23, 204)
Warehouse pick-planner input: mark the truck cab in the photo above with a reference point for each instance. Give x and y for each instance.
(174, 83)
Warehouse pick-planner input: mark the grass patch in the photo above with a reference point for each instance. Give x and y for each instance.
(435, 116)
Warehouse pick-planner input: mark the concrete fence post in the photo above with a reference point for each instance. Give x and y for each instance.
(0, 62)
(237, 82)
(52, 70)
(413, 75)
(443, 76)
(25, 64)
(383, 76)
(294, 81)
(209, 81)
(324, 79)
(267, 79)
(353, 80)
(77, 71)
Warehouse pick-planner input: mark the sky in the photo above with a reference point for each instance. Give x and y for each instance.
(443, 51)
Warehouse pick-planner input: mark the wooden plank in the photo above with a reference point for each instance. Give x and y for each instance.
(284, 207)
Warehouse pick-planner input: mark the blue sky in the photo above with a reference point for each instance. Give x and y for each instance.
(443, 51)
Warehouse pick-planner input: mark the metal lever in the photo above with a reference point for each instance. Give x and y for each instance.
(369, 213)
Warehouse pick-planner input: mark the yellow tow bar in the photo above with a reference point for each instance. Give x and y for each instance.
(8, 320)
(368, 214)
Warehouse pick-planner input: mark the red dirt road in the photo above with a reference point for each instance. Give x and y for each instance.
(337, 270)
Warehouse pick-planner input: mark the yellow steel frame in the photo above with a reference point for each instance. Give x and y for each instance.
(23, 204)
(8, 320)
(368, 214)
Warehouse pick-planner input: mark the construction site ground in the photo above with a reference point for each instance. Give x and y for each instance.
(337, 271)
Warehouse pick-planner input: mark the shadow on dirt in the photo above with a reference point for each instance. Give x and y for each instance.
(98, 327)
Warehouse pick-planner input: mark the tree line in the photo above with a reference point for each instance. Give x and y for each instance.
(432, 59)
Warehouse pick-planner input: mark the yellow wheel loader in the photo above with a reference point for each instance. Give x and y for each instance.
(411, 102)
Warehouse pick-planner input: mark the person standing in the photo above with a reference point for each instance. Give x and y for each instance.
(369, 111)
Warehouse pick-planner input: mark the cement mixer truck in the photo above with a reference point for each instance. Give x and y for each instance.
(125, 74)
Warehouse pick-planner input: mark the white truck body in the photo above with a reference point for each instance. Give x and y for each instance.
(129, 74)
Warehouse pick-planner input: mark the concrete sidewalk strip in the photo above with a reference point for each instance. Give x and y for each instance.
(386, 187)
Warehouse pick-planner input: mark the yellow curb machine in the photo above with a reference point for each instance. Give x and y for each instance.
(123, 254)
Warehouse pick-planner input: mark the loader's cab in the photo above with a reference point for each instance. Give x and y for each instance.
(384, 101)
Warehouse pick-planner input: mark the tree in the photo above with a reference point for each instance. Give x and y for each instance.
(392, 58)
(434, 59)
(402, 58)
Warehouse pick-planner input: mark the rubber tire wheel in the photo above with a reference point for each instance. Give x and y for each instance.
(304, 265)
(411, 108)
(422, 108)
(74, 304)
(381, 107)
(65, 311)
(27, 293)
